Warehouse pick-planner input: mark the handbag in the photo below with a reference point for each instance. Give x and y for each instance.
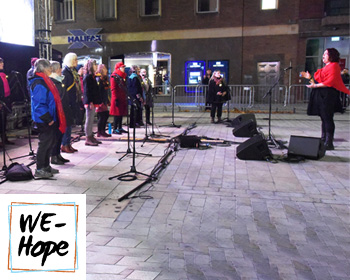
(18, 172)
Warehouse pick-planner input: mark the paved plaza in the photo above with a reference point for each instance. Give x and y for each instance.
(210, 215)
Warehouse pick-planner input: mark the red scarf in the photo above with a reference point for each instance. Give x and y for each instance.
(330, 77)
(217, 80)
(6, 84)
(56, 96)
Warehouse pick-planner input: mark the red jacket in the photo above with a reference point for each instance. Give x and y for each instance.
(119, 101)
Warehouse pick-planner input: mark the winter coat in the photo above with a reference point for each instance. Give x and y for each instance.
(42, 101)
(147, 92)
(69, 84)
(119, 99)
(104, 92)
(65, 101)
(214, 88)
(91, 91)
(135, 90)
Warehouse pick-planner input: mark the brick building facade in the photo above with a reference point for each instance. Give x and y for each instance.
(239, 32)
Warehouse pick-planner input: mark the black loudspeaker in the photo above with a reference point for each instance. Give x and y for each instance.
(307, 147)
(242, 118)
(254, 148)
(245, 129)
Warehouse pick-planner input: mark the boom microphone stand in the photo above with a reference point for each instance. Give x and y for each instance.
(271, 140)
(126, 175)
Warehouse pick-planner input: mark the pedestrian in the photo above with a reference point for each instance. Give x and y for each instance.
(324, 98)
(218, 94)
(104, 92)
(91, 100)
(119, 98)
(47, 115)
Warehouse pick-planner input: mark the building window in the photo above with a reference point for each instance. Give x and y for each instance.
(269, 4)
(150, 8)
(337, 8)
(207, 6)
(64, 10)
(106, 9)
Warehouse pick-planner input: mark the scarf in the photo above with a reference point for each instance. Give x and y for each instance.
(330, 77)
(120, 73)
(217, 80)
(56, 96)
(6, 84)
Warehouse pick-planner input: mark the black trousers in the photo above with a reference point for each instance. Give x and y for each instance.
(56, 148)
(135, 115)
(118, 121)
(216, 107)
(47, 136)
(328, 125)
(148, 113)
(102, 120)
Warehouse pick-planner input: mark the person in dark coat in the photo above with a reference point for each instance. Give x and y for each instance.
(91, 100)
(71, 84)
(218, 94)
(5, 93)
(324, 98)
(135, 95)
(104, 92)
(147, 94)
(57, 78)
(119, 98)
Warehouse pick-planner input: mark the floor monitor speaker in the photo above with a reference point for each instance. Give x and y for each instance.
(307, 147)
(245, 129)
(242, 118)
(254, 148)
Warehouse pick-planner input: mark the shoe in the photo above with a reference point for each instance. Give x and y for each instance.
(136, 126)
(105, 134)
(149, 123)
(41, 173)
(66, 149)
(212, 120)
(100, 134)
(117, 131)
(219, 120)
(51, 170)
(61, 158)
(56, 160)
(89, 142)
(122, 130)
(141, 123)
(73, 149)
(329, 142)
(95, 140)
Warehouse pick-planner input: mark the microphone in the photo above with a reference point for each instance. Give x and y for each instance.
(288, 68)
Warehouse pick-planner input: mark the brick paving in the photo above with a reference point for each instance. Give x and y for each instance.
(211, 215)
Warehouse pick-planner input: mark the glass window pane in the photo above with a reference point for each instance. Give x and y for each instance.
(269, 4)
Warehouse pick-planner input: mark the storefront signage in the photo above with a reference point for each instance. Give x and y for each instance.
(88, 38)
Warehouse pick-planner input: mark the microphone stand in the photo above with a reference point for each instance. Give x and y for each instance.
(126, 175)
(128, 151)
(271, 140)
(172, 108)
(29, 132)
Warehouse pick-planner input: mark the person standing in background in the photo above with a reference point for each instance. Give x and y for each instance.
(70, 61)
(135, 94)
(119, 98)
(91, 100)
(147, 94)
(104, 92)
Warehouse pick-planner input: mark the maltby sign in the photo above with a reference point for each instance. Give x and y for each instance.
(88, 38)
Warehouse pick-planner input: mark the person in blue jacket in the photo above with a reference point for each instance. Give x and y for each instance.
(47, 115)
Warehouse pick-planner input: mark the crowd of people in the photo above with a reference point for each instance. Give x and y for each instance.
(63, 97)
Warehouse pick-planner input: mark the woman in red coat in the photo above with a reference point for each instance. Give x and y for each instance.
(119, 100)
(324, 97)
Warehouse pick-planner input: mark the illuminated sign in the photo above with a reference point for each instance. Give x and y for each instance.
(81, 39)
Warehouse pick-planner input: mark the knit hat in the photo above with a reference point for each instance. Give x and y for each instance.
(33, 59)
(118, 65)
